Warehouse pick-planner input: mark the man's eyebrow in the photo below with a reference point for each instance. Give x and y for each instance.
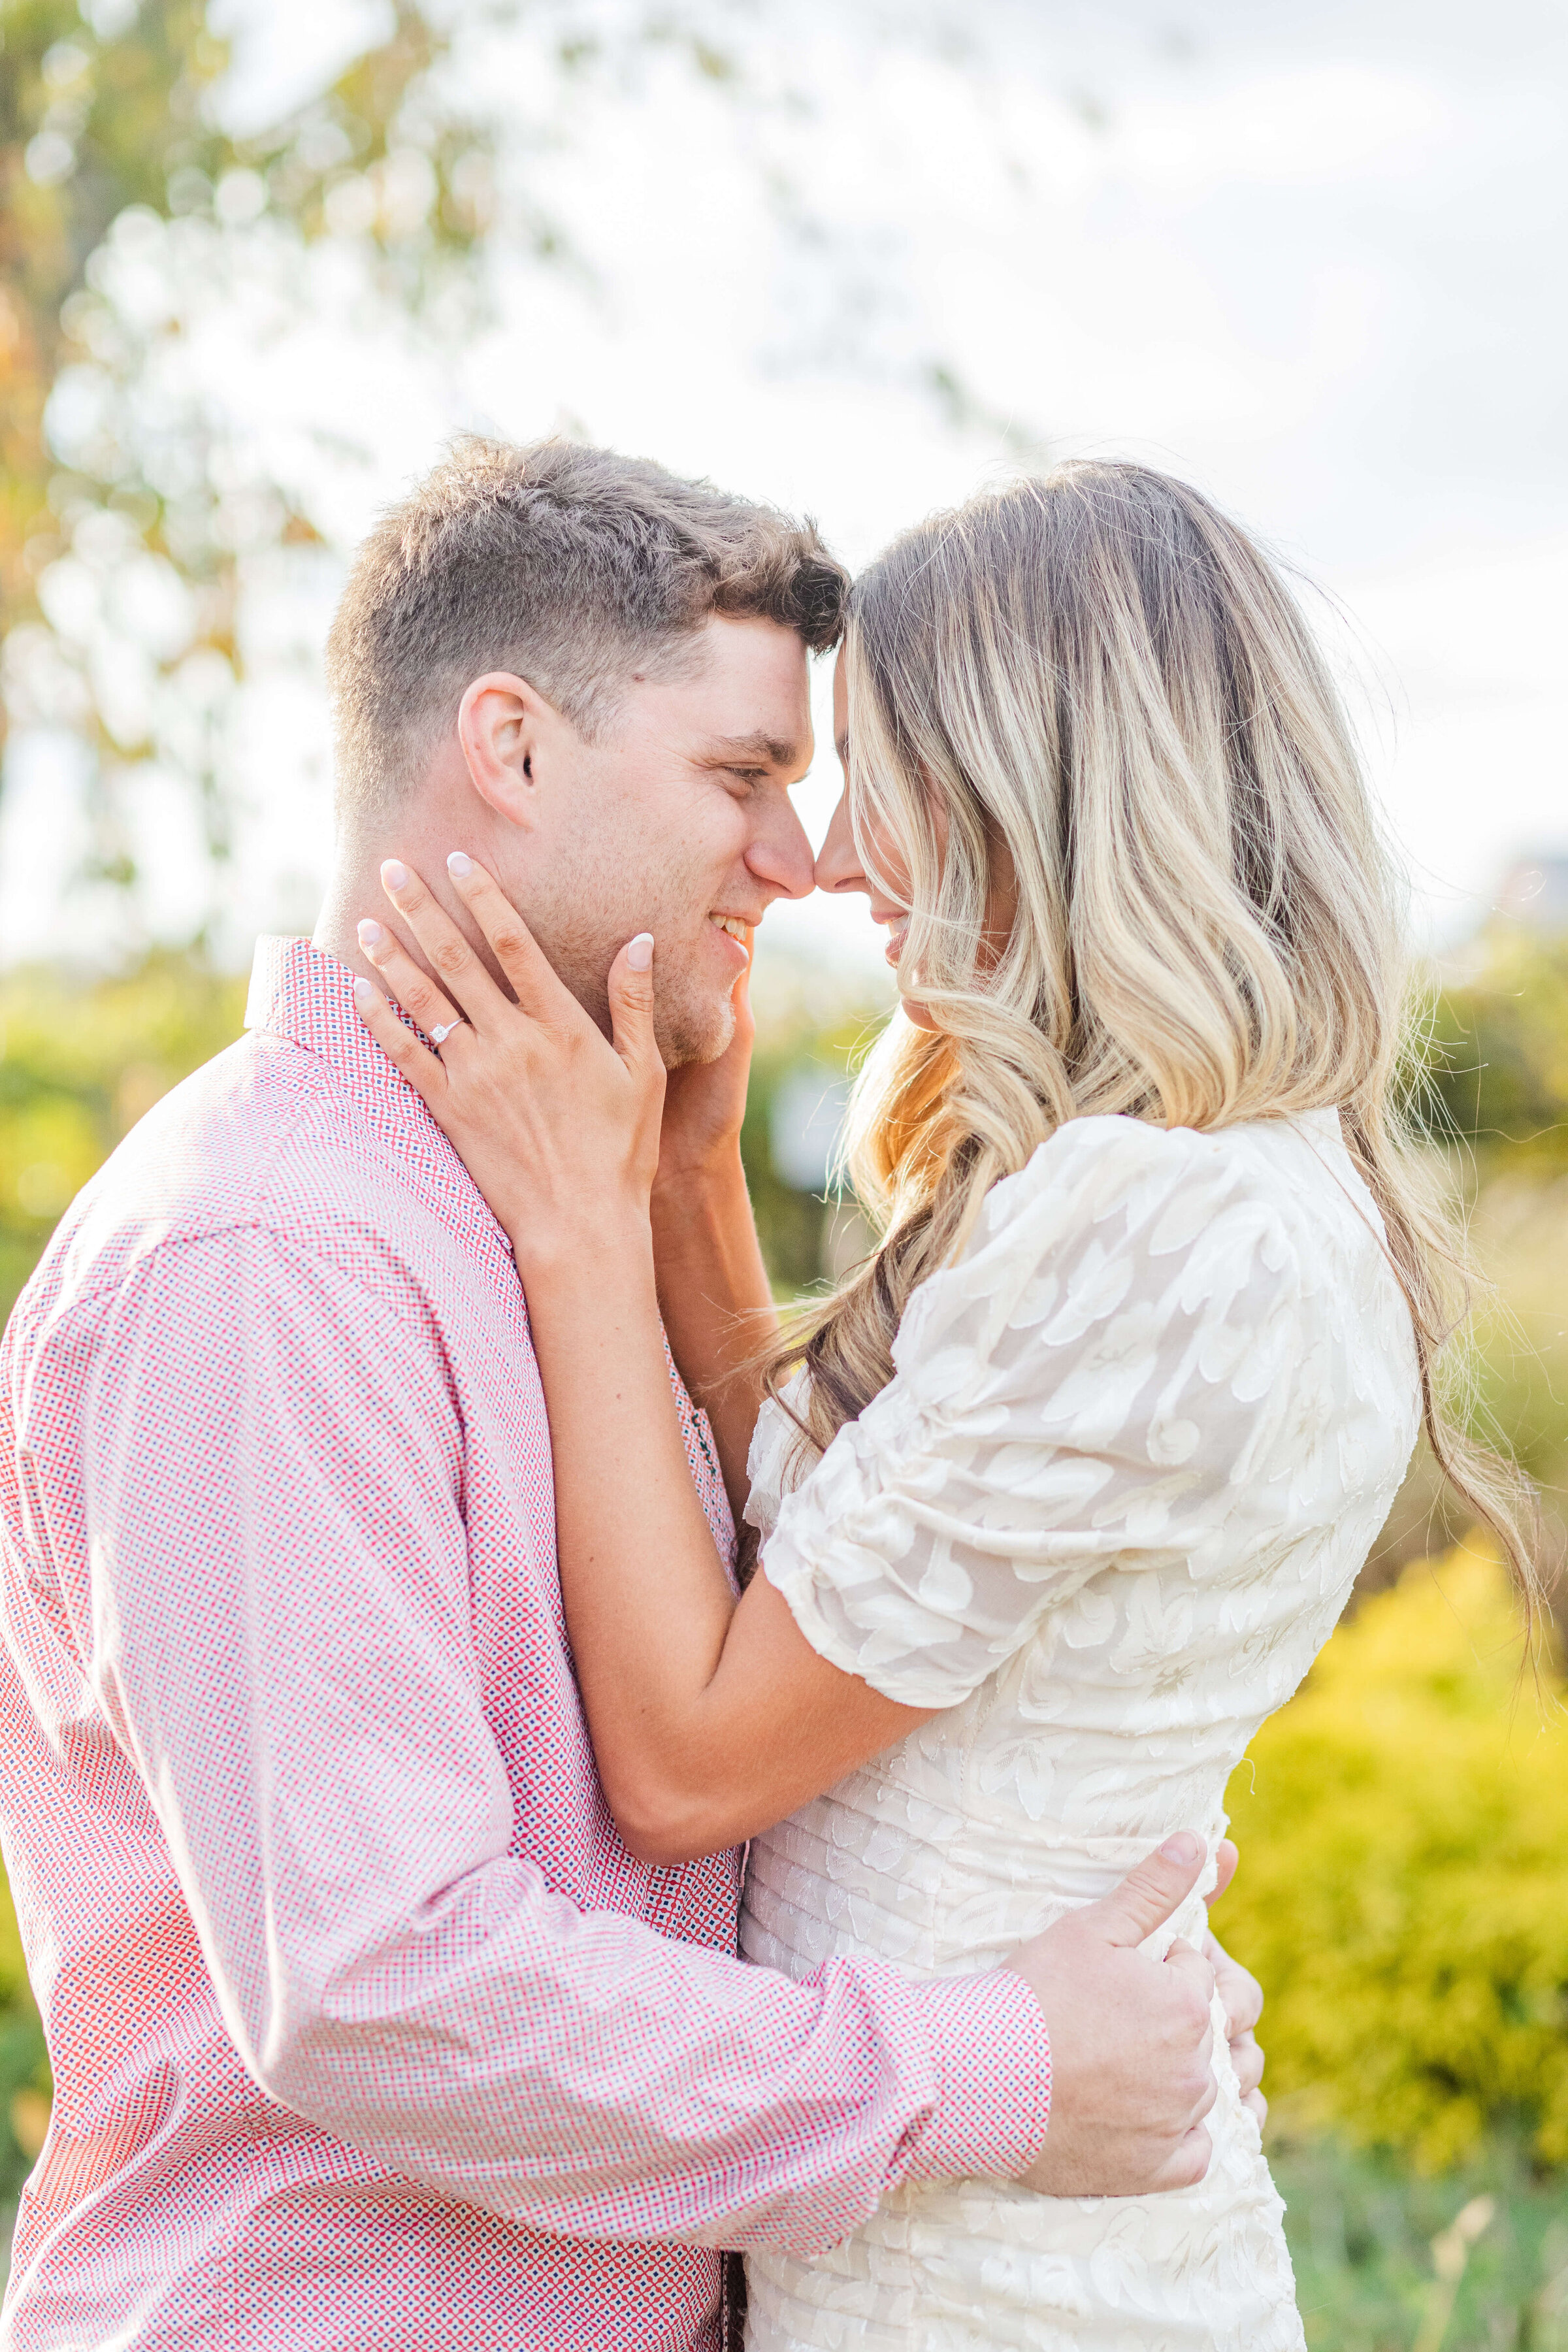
(776, 751)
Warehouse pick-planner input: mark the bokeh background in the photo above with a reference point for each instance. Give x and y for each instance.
(260, 259)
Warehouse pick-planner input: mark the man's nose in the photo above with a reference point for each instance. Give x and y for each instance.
(780, 852)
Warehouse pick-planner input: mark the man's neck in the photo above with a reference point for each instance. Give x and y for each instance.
(354, 892)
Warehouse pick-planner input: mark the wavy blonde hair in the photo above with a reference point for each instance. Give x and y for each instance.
(1094, 688)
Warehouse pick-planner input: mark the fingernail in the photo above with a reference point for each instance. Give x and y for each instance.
(365, 995)
(370, 935)
(460, 866)
(394, 874)
(639, 952)
(1183, 1848)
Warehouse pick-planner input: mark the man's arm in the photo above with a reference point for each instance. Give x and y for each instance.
(274, 1475)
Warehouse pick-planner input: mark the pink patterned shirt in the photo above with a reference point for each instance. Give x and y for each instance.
(366, 2029)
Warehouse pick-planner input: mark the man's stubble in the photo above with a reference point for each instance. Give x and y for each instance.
(692, 1022)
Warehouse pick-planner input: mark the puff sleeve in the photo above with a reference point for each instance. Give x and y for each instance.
(1092, 1384)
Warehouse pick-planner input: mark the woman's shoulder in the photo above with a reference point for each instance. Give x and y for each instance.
(1114, 1207)
(1106, 1168)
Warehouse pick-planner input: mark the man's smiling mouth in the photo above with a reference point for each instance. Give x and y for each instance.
(732, 924)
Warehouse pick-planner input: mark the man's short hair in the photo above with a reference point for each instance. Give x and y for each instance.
(571, 567)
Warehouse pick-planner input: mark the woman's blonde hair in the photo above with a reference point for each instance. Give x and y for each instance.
(1095, 689)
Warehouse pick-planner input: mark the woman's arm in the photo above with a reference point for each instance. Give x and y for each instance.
(713, 1288)
(710, 1720)
(718, 1308)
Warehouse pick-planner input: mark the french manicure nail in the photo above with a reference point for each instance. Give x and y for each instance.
(370, 932)
(1183, 1849)
(460, 866)
(394, 874)
(639, 952)
(365, 995)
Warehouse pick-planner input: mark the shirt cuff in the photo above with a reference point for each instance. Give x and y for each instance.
(993, 2059)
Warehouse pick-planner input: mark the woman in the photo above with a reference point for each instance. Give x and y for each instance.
(1068, 1484)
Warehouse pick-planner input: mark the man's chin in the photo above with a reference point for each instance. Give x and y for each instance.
(694, 1032)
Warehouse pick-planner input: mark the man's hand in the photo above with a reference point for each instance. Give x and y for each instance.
(1243, 1998)
(1131, 2043)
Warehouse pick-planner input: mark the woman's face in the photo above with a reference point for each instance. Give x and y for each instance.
(838, 867)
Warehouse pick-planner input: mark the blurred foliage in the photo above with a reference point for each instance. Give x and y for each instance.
(1498, 1060)
(1496, 1104)
(1519, 1240)
(133, 510)
(79, 1063)
(1404, 1897)
(805, 1235)
(1404, 1894)
(122, 199)
(1519, 1232)
(24, 2062)
(1371, 2240)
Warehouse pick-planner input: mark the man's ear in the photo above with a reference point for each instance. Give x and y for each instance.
(500, 721)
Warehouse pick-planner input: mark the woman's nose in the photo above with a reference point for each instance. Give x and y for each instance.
(838, 861)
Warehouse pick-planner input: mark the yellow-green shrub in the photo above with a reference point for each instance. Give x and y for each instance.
(1404, 1884)
(79, 1063)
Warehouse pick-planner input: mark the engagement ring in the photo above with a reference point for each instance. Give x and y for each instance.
(440, 1037)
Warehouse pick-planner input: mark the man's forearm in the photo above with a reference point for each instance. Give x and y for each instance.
(728, 2107)
(717, 1305)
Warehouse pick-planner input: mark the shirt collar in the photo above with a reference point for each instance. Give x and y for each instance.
(296, 992)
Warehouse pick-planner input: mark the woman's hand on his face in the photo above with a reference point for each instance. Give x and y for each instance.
(704, 1104)
(558, 1128)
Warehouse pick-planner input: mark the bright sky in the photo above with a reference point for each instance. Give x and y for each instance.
(1310, 257)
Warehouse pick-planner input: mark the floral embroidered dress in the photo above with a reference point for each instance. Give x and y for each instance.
(1138, 1443)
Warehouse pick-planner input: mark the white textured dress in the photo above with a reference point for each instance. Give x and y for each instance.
(1138, 1443)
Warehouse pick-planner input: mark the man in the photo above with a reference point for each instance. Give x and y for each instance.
(367, 2028)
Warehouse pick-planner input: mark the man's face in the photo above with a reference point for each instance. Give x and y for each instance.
(678, 822)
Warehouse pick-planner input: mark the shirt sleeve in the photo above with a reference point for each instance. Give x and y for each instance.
(1092, 1384)
(282, 1641)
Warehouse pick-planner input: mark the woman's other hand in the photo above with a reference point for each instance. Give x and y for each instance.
(713, 1288)
(705, 1103)
(558, 1128)
(1241, 1993)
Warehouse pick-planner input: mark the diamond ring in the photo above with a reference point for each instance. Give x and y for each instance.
(440, 1037)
